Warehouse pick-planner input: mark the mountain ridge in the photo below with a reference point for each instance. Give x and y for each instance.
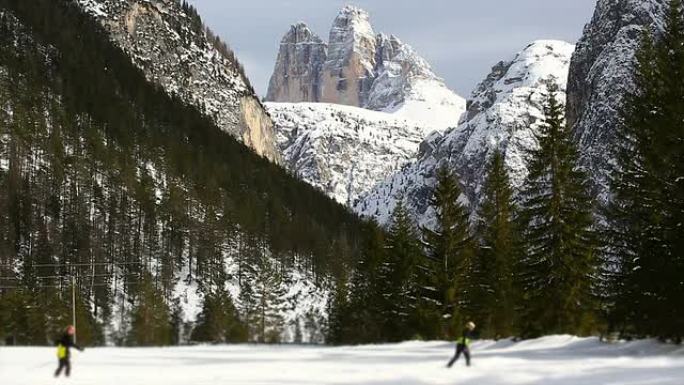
(503, 113)
(172, 47)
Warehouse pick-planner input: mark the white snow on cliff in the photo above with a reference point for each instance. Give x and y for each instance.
(343, 150)
(504, 113)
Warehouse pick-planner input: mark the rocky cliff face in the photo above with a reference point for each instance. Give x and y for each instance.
(365, 69)
(601, 75)
(348, 73)
(504, 113)
(300, 62)
(343, 150)
(173, 50)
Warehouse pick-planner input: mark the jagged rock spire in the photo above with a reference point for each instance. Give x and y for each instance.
(365, 69)
(297, 71)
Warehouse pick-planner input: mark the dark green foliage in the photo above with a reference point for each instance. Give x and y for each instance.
(360, 318)
(150, 317)
(558, 264)
(339, 328)
(492, 280)
(388, 297)
(401, 277)
(645, 237)
(450, 252)
(40, 317)
(219, 321)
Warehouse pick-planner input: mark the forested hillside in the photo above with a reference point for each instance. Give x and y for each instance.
(107, 179)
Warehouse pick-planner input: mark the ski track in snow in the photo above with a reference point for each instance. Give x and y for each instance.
(558, 360)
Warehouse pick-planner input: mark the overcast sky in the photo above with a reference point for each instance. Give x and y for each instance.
(462, 39)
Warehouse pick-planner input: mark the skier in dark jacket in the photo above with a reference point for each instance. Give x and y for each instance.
(463, 344)
(63, 354)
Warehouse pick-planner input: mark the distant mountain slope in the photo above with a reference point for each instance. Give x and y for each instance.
(343, 150)
(503, 113)
(168, 41)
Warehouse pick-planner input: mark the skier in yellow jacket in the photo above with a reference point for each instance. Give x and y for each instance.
(63, 354)
(463, 344)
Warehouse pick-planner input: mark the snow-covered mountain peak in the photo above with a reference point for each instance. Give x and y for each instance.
(504, 113)
(353, 17)
(348, 72)
(300, 60)
(300, 34)
(536, 64)
(352, 32)
(301, 31)
(379, 98)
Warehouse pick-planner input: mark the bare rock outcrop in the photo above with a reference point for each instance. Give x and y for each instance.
(298, 68)
(601, 75)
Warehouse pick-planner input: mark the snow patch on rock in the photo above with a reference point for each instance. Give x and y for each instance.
(343, 150)
(504, 113)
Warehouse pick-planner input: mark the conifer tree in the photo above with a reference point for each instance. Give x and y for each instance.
(248, 307)
(402, 277)
(644, 239)
(268, 299)
(450, 251)
(493, 272)
(558, 263)
(219, 322)
(151, 319)
(338, 315)
(366, 300)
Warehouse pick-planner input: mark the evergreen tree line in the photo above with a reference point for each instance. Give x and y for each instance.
(546, 259)
(523, 267)
(107, 180)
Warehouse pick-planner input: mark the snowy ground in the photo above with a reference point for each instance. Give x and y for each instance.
(558, 360)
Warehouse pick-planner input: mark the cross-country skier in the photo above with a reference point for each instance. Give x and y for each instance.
(63, 354)
(463, 344)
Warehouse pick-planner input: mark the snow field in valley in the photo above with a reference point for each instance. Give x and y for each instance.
(558, 360)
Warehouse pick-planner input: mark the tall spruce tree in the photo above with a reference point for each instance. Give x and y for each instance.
(645, 238)
(558, 263)
(268, 296)
(151, 318)
(338, 330)
(493, 273)
(401, 277)
(450, 252)
(366, 300)
(219, 322)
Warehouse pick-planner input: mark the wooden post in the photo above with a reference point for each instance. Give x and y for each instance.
(73, 304)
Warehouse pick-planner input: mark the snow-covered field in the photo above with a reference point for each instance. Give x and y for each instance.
(558, 360)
